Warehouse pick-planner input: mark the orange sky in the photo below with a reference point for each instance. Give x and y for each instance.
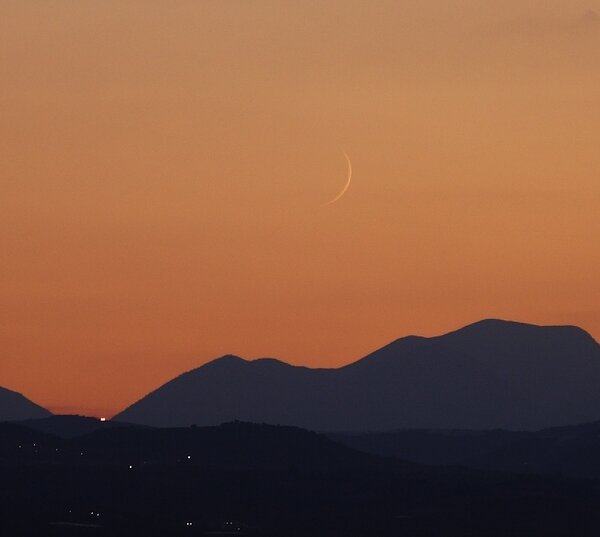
(163, 167)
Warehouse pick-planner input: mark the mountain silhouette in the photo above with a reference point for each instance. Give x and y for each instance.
(14, 406)
(491, 374)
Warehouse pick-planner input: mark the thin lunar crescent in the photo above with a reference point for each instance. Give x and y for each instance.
(346, 186)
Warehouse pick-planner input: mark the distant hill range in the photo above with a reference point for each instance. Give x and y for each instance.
(263, 480)
(559, 451)
(572, 451)
(491, 374)
(14, 406)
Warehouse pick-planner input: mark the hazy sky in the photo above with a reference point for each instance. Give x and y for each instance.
(163, 167)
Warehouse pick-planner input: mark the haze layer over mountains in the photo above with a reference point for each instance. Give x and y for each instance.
(491, 374)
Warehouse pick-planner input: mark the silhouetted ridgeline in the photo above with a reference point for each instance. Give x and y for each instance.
(492, 374)
(561, 451)
(14, 406)
(264, 480)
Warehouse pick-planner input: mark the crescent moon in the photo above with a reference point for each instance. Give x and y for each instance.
(346, 186)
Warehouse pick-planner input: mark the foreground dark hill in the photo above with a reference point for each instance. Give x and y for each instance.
(14, 406)
(249, 479)
(234, 445)
(492, 374)
(560, 451)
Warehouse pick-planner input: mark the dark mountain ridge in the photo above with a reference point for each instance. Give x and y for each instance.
(491, 374)
(14, 406)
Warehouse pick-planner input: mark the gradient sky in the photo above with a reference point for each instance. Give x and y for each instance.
(163, 167)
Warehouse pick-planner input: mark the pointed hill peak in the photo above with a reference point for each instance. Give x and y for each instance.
(233, 363)
(230, 358)
(237, 360)
(227, 359)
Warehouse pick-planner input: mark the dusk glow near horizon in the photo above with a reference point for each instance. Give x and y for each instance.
(166, 169)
